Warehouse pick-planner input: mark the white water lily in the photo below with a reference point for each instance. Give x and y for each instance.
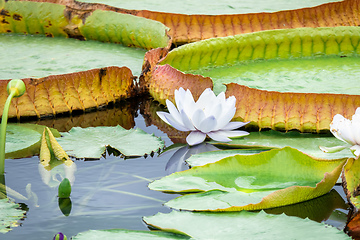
(210, 115)
(347, 131)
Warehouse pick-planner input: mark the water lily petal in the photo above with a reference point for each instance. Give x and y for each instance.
(206, 99)
(179, 97)
(173, 122)
(340, 127)
(355, 150)
(234, 133)
(218, 136)
(197, 118)
(332, 149)
(186, 121)
(208, 124)
(215, 109)
(195, 138)
(225, 118)
(355, 122)
(188, 104)
(162, 116)
(234, 125)
(173, 110)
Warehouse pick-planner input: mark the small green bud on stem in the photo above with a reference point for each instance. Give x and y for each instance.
(15, 88)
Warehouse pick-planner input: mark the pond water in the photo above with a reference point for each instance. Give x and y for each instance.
(112, 192)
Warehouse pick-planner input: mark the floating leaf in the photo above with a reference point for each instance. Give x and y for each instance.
(202, 159)
(186, 28)
(92, 142)
(38, 56)
(319, 209)
(272, 44)
(80, 91)
(248, 225)
(269, 179)
(10, 215)
(164, 80)
(305, 142)
(135, 31)
(120, 234)
(303, 75)
(57, 20)
(306, 112)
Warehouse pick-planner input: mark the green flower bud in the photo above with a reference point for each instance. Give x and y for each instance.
(16, 85)
(64, 190)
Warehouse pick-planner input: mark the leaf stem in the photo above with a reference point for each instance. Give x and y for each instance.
(4, 120)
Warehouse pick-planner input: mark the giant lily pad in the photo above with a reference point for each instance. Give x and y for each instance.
(38, 56)
(57, 20)
(10, 215)
(286, 110)
(92, 142)
(190, 25)
(247, 182)
(248, 225)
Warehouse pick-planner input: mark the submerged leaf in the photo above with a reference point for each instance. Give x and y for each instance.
(248, 225)
(92, 142)
(269, 179)
(10, 215)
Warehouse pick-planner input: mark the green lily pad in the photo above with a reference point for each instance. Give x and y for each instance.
(285, 60)
(121, 234)
(307, 143)
(38, 56)
(305, 75)
(201, 159)
(10, 215)
(23, 140)
(92, 142)
(214, 8)
(269, 179)
(244, 225)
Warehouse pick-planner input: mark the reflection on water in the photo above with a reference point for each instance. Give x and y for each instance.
(122, 114)
(180, 154)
